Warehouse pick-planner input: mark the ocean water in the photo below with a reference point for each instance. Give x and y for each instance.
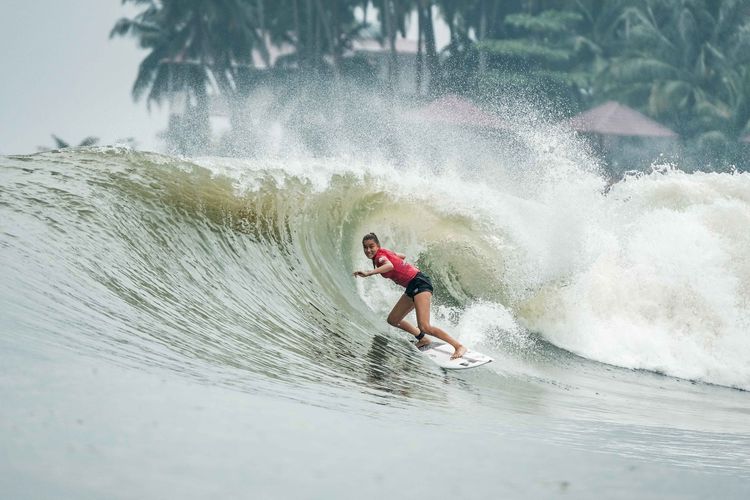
(185, 328)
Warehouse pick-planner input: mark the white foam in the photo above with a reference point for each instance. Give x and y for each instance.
(669, 286)
(654, 275)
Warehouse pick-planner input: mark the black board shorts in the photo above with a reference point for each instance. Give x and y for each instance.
(420, 283)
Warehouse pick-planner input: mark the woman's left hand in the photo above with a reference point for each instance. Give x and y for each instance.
(360, 274)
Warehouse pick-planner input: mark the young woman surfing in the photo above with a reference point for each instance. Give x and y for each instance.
(417, 295)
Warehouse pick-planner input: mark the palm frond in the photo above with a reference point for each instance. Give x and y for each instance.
(643, 68)
(548, 21)
(59, 142)
(524, 49)
(668, 96)
(88, 141)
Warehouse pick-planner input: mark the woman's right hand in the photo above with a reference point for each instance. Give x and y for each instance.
(360, 274)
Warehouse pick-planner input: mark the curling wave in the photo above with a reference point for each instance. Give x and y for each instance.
(179, 263)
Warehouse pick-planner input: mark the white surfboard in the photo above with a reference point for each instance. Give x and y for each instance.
(441, 353)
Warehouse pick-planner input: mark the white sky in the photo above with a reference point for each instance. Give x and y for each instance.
(62, 74)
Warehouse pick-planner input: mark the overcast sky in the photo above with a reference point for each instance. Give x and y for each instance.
(61, 74)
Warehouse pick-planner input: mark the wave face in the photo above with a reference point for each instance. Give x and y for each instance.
(146, 257)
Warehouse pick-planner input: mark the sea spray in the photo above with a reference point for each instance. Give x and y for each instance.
(650, 274)
(614, 276)
(668, 290)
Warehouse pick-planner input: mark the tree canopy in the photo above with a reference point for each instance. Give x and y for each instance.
(685, 63)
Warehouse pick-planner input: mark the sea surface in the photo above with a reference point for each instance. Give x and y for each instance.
(190, 328)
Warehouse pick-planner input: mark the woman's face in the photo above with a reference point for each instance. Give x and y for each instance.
(370, 248)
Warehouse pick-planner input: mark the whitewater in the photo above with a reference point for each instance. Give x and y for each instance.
(146, 297)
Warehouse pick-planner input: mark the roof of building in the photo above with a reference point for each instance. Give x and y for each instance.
(612, 118)
(454, 110)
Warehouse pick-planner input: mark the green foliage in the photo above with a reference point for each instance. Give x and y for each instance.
(525, 50)
(546, 23)
(198, 49)
(192, 44)
(554, 50)
(685, 63)
(693, 57)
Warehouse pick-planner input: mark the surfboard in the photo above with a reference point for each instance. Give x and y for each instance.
(440, 353)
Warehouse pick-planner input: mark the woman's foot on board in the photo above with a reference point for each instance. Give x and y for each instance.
(423, 342)
(460, 351)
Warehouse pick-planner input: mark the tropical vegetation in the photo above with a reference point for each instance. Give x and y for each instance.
(63, 144)
(685, 63)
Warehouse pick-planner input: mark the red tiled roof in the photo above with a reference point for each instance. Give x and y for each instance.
(612, 118)
(455, 110)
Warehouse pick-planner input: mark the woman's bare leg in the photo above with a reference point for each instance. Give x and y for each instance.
(404, 306)
(422, 303)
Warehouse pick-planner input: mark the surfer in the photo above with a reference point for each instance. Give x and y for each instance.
(417, 295)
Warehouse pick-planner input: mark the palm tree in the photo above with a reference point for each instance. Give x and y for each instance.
(687, 63)
(428, 30)
(539, 55)
(195, 46)
(316, 29)
(61, 144)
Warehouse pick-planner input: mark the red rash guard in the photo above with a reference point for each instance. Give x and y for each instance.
(402, 273)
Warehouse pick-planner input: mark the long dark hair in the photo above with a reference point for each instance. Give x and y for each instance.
(371, 236)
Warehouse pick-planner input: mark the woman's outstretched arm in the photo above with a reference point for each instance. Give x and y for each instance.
(384, 268)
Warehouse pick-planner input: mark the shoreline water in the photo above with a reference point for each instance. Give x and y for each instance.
(75, 427)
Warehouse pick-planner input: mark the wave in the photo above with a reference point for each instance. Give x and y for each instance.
(666, 286)
(223, 261)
